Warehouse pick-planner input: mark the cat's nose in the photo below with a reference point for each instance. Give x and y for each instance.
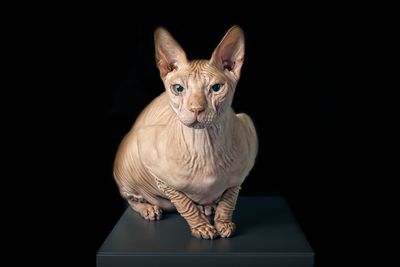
(197, 102)
(196, 108)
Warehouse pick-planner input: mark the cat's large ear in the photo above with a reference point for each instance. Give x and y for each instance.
(169, 54)
(229, 54)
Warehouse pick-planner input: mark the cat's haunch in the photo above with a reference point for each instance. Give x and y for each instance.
(188, 150)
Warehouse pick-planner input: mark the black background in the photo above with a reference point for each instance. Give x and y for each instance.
(312, 82)
(294, 86)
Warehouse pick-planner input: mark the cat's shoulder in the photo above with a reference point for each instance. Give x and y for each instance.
(246, 121)
(152, 127)
(249, 131)
(157, 112)
(148, 140)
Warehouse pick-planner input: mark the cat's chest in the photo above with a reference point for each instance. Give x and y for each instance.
(203, 175)
(203, 182)
(197, 172)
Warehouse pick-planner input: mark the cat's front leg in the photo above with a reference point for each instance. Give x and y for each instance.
(223, 214)
(198, 223)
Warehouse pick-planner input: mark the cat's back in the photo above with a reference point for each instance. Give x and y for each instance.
(158, 112)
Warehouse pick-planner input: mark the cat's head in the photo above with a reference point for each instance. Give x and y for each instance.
(200, 91)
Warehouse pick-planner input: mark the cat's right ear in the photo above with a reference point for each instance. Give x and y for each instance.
(169, 54)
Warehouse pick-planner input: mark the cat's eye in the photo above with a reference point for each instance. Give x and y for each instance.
(178, 88)
(216, 87)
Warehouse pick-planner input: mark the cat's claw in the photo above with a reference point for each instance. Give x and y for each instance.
(205, 231)
(225, 228)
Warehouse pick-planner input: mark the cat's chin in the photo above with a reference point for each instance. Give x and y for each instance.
(197, 125)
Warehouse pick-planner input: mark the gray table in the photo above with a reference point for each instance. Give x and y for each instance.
(267, 235)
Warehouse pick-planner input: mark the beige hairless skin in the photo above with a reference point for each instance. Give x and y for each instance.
(188, 150)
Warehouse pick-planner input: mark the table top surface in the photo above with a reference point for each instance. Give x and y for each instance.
(264, 225)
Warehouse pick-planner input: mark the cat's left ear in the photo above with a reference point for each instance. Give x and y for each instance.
(229, 54)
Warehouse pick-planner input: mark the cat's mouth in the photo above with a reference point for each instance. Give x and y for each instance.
(197, 122)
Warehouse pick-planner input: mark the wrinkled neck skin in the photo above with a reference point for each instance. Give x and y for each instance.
(203, 143)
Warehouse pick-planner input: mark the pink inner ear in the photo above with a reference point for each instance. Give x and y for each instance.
(167, 67)
(171, 66)
(228, 64)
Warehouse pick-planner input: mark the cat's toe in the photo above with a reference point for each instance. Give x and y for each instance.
(151, 213)
(205, 231)
(158, 213)
(225, 228)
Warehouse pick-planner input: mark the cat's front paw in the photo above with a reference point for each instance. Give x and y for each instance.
(205, 231)
(225, 228)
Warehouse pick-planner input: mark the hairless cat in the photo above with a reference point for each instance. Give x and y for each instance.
(188, 150)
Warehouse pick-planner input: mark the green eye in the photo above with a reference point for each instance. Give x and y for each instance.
(178, 88)
(216, 87)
